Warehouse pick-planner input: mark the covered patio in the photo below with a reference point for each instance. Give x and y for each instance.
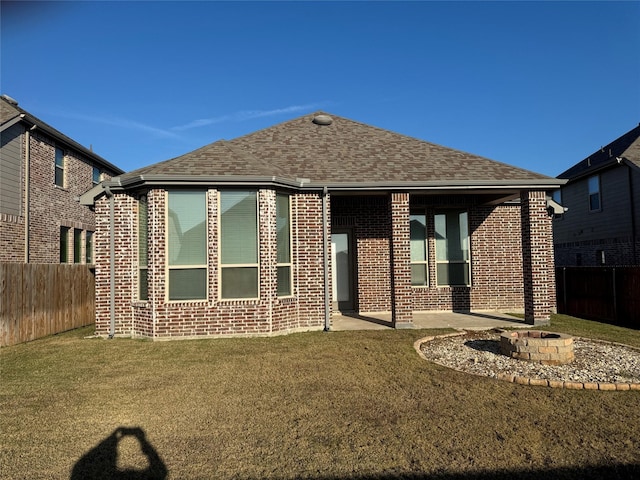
(478, 320)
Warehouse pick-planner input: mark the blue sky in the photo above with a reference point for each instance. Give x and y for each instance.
(539, 85)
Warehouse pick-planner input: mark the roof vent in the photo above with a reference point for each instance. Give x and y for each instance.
(12, 101)
(322, 120)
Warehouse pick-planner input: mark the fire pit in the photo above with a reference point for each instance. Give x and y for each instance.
(536, 346)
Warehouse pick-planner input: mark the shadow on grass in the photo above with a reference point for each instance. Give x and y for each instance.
(101, 462)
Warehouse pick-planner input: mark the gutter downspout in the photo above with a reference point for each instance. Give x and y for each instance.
(325, 249)
(112, 267)
(27, 188)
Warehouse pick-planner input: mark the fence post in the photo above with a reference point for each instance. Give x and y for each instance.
(615, 295)
(564, 290)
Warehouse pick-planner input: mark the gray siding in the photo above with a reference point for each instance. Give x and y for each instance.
(612, 221)
(11, 172)
(607, 235)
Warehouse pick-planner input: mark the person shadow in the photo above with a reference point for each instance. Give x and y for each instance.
(101, 462)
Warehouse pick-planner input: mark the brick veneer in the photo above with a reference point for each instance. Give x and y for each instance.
(496, 254)
(500, 238)
(401, 297)
(50, 207)
(537, 250)
(158, 318)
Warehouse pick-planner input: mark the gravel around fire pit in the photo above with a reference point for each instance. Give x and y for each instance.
(479, 353)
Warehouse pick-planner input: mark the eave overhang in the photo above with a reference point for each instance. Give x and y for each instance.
(152, 180)
(501, 190)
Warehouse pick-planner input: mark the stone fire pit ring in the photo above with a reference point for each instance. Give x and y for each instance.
(547, 348)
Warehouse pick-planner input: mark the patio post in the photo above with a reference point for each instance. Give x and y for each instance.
(401, 307)
(537, 258)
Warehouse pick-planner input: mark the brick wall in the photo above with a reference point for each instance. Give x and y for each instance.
(368, 218)
(159, 318)
(537, 252)
(11, 238)
(496, 258)
(50, 206)
(497, 249)
(618, 251)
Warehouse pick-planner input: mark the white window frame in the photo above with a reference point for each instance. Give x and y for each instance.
(449, 262)
(290, 263)
(169, 268)
(597, 191)
(425, 262)
(59, 168)
(89, 250)
(65, 233)
(78, 242)
(222, 266)
(93, 175)
(144, 198)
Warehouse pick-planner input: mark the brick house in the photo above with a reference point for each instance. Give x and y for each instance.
(42, 175)
(273, 231)
(602, 195)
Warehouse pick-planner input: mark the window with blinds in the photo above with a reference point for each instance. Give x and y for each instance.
(143, 248)
(283, 240)
(187, 245)
(452, 248)
(419, 258)
(88, 247)
(239, 275)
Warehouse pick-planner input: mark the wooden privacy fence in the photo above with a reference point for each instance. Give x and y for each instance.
(42, 299)
(607, 294)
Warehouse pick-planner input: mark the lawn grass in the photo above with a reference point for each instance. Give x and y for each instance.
(313, 405)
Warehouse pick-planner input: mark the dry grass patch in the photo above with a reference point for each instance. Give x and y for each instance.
(315, 405)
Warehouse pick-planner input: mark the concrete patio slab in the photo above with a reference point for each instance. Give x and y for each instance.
(456, 320)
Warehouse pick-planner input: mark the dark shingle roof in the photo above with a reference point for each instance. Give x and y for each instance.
(343, 152)
(626, 147)
(351, 151)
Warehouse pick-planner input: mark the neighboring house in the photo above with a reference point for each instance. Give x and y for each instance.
(602, 196)
(42, 175)
(273, 231)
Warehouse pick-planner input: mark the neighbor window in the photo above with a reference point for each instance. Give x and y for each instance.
(418, 233)
(88, 247)
(96, 176)
(77, 245)
(143, 248)
(594, 193)
(238, 244)
(59, 168)
(187, 245)
(64, 244)
(283, 240)
(452, 248)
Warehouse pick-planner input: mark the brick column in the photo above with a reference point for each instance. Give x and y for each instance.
(268, 251)
(401, 307)
(537, 258)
